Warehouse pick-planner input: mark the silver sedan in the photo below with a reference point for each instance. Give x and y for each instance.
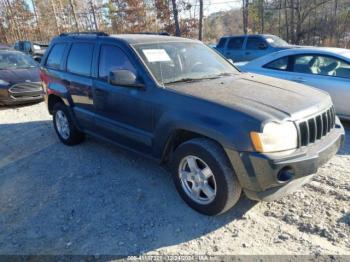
(324, 68)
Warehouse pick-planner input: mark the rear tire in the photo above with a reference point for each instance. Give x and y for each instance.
(204, 177)
(64, 126)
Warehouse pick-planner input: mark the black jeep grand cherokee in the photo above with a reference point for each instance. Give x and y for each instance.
(175, 100)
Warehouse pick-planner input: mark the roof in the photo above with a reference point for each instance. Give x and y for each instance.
(4, 47)
(128, 38)
(326, 50)
(148, 38)
(244, 35)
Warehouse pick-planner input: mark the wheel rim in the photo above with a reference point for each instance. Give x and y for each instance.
(197, 180)
(62, 125)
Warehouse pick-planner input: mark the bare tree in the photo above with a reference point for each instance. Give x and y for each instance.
(72, 6)
(93, 14)
(200, 22)
(176, 18)
(245, 9)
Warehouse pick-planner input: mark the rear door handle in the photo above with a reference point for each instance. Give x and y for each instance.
(247, 53)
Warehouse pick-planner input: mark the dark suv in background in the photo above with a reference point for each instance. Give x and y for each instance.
(248, 47)
(34, 49)
(177, 101)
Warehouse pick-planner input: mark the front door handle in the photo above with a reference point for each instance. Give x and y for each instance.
(247, 53)
(100, 91)
(299, 80)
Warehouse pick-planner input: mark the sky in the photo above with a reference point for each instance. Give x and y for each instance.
(213, 6)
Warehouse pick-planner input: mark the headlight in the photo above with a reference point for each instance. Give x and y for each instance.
(275, 137)
(3, 83)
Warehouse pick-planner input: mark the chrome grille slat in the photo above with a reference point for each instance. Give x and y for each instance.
(316, 127)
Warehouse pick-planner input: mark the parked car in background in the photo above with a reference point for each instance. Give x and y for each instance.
(19, 78)
(34, 49)
(248, 47)
(2, 47)
(324, 68)
(177, 101)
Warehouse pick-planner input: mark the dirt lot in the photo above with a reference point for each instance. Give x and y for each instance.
(98, 199)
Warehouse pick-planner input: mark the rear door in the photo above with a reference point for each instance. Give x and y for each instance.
(234, 48)
(79, 81)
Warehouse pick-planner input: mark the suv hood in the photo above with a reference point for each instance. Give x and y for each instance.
(259, 96)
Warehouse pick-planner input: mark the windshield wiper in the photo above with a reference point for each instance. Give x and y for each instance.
(184, 80)
(198, 79)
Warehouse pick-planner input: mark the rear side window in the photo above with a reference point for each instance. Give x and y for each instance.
(221, 43)
(56, 55)
(235, 43)
(255, 43)
(80, 58)
(113, 58)
(279, 64)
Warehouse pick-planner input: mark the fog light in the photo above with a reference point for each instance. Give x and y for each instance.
(285, 174)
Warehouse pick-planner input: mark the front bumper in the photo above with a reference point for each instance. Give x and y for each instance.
(22, 93)
(258, 173)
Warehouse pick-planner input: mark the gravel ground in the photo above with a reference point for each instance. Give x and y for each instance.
(98, 199)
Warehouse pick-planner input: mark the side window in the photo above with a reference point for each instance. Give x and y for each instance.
(27, 46)
(235, 43)
(304, 64)
(321, 65)
(80, 58)
(112, 58)
(221, 43)
(55, 57)
(279, 64)
(332, 66)
(255, 43)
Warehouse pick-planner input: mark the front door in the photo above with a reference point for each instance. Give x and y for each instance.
(122, 113)
(234, 49)
(255, 47)
(328, 73)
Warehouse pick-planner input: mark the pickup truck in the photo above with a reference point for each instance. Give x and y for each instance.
(181, 104)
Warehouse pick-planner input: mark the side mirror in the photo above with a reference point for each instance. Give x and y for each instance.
(262, 45)
(37, 59)
(124, 78)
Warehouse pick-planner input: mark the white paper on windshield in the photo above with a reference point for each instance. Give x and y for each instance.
(156, 55)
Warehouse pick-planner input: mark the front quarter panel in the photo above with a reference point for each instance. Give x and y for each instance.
(228, 127)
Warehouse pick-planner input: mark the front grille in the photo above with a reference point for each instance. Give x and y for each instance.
(26, 90)
(316, 127)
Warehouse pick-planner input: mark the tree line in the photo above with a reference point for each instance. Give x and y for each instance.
(307, 22)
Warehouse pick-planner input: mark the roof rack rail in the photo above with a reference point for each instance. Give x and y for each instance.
(96, 33)
(153, 33)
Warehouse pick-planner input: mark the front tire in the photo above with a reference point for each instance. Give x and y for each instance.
(64, 126)
(204, 177)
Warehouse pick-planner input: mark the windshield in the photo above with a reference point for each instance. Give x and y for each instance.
(15, 60)
(276, 41)
(183, 61)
